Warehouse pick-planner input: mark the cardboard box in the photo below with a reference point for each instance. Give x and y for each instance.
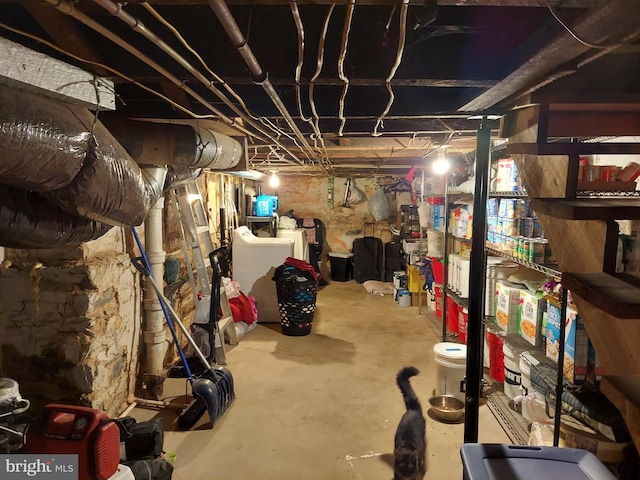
(575, 348)
(422, 301)
(507, 305)
(553, 330)
(575, 345)
(531, 311)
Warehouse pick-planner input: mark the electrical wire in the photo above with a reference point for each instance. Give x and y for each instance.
(341, 58)
(319, 64)
(181, 39)
(401, 41)
(136, 25)
(300, 29)
(554, 12)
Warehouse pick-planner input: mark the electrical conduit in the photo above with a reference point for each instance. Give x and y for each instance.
(394, 68)
(343, 53)
(258, 75)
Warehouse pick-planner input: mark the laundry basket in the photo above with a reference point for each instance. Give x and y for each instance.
(296, 287)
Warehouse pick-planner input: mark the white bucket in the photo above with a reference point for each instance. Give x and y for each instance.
(404, 297)
(526, 362)
(512, 373)
(451, 364)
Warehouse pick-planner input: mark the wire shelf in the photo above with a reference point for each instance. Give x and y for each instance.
(513, 423)
(548, 269)
(613, 194)
(515, 194)
(463, 302)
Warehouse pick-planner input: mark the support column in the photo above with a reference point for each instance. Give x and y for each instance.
(477, 278)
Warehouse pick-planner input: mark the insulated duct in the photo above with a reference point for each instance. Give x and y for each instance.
(65, 154)
(176, 145)
(29, 221)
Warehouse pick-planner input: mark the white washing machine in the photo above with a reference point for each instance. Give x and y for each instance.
(255, 260)
(300, 243)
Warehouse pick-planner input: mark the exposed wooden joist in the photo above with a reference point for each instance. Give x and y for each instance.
(610, 24)
(66, 35)
(459, 3)
(375, 82)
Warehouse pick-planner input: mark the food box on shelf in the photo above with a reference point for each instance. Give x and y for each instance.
(507, 305)
(594, 367)
(531, 311)
(575, 344)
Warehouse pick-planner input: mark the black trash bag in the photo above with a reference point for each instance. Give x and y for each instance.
(152, 469)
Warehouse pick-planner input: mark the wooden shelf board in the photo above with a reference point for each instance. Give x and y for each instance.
(573, 148)
(607, 292)
(589, 208)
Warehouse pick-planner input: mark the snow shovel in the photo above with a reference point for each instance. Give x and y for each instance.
(213, 390)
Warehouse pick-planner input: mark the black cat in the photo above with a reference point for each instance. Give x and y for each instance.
(410, 442)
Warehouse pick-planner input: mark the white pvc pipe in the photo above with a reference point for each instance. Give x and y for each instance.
(153, 329)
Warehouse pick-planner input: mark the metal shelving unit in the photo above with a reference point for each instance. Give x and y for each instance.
(463, 302)
(515, 194)
(548, 269)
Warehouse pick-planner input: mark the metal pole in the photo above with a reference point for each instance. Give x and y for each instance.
(476, 278)
(560, 379)
(445, 260)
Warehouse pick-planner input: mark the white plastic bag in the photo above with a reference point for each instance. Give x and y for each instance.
(379, 205)
(355, 195)
(424, 215)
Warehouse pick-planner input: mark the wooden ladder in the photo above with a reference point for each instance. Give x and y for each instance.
(197, 246)
(583, 232)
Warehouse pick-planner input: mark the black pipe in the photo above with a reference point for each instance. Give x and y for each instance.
(560, 378)
(477, 282)
(445, 260)
(223, 227)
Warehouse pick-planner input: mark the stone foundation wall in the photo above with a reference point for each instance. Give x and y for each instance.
(70, 323)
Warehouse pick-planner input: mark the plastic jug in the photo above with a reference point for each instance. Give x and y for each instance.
(265, 205)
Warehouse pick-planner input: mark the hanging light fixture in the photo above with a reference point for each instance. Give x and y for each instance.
(441, 164)
(274, 181)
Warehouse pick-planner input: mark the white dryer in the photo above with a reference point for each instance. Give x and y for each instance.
(254, 262)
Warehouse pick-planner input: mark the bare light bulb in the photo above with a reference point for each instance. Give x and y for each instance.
(274, 181)
(441, 164)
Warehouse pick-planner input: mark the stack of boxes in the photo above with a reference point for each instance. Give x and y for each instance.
(537, 320)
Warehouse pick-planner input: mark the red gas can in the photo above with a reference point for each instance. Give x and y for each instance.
(69, 429)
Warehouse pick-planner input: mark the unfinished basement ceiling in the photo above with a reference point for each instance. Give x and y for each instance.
(360, 88)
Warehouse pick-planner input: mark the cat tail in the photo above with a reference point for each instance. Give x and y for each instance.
(410, 398)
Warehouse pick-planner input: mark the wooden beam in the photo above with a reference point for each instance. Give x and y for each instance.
(548, 176)
(580, 247)
(602, 26)
(66, 34)
(563, 148)
(175, 93)
(457, 3)
(607, 292)
(607, 209)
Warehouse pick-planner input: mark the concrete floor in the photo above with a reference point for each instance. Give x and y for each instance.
(324, 406)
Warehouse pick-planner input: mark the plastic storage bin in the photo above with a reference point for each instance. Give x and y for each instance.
(340, 264)
(515, 462)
